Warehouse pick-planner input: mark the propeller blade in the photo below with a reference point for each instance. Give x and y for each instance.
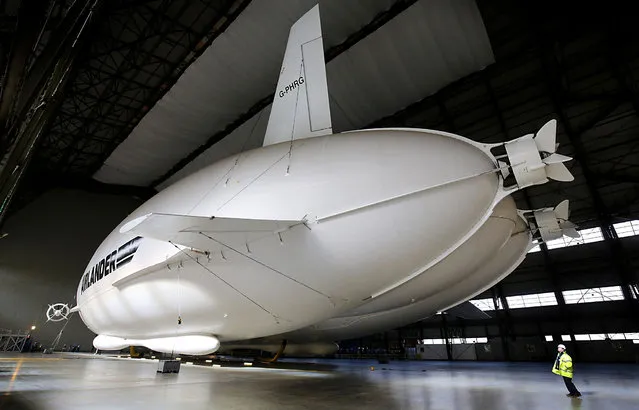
(572, 232)
(556, 159)
(567, 225)
(505, 171)
(559, 172)
(562, 210)
(546, 137)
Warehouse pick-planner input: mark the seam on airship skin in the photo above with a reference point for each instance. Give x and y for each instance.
(415, 192)
(448, 251)
(197, 203)
(95, 295)
(302, 142)
(271, 268)
(105, 287)
(509, 237)
(286, 154)
(431, 293)
(504, 217)
(485, 148)
(230, 170)
(276, 317)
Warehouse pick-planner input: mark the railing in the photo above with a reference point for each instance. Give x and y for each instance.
(12, 340)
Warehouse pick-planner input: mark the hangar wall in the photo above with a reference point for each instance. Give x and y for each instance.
(43, 257)
(531, 333)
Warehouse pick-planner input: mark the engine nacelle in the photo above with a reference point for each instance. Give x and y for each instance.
(195, 345)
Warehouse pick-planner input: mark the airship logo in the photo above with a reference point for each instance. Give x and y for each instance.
(111, 263)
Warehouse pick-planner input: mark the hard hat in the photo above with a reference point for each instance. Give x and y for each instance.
(561, 347)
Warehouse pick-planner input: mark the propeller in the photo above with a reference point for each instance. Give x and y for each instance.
(562, 212)
(545, 140)
(534, 158)
(552, 223)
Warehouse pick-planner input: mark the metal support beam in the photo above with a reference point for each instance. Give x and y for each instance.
(503, 319)
(41, 70)
(12, 341)
(34, 118)
(232, 9)
(31, 17)
(446, 336)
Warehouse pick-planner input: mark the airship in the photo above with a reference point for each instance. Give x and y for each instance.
(316, 237)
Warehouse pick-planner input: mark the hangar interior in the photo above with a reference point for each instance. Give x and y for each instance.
(105, 104)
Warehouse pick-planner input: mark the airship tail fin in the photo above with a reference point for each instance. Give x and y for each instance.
(301, 107)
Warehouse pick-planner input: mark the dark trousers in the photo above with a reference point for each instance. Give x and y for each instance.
(571, 387)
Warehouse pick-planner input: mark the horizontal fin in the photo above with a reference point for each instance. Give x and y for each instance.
(187, 230)
(158, 267)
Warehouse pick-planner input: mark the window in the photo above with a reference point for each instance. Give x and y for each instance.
(456, 341)
(483, 304)
(612, 336)
(598, 336)
(625, 229)
(433, 342)
(589, 235)
(534, 300)
(591, 295)
(549, 338)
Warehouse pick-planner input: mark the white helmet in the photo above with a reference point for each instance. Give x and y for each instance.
(561, 347)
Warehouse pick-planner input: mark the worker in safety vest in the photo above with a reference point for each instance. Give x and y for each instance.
(563, 367)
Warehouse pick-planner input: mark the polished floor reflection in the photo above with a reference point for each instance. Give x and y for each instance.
(63, 382)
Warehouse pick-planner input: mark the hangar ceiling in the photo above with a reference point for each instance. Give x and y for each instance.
(414, 54)
(159, 89)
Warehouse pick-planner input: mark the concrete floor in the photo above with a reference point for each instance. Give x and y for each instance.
(64, 382)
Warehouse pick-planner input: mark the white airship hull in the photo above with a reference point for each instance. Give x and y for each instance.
(315, 236)
(411, 198)
(468, 282)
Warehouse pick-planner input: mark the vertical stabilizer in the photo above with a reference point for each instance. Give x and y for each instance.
(300, 107)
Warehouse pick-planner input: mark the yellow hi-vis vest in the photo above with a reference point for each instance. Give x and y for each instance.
(565, 365)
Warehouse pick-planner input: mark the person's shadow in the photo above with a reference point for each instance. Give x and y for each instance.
(576, 402)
